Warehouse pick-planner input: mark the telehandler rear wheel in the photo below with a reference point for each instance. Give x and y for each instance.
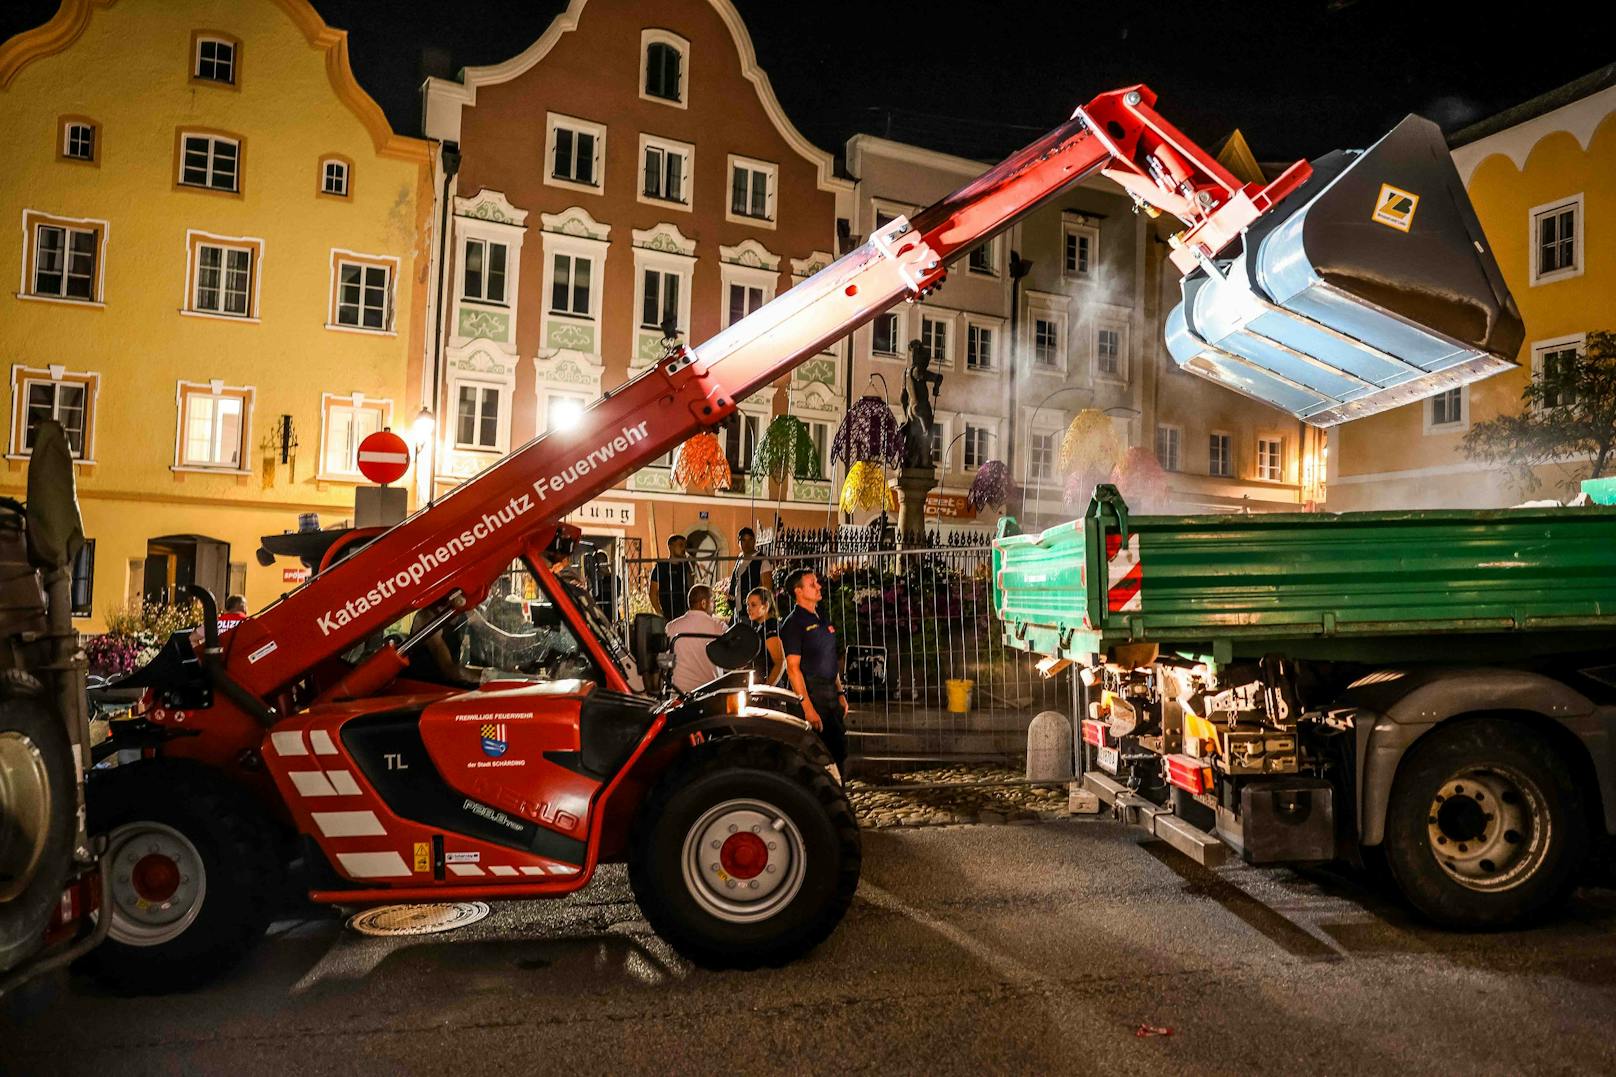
(745, 854)
(38, 800)
(194, 875)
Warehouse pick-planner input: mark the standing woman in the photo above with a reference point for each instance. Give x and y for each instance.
(770, 662)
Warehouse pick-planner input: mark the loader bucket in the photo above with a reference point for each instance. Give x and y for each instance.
(1369, 287)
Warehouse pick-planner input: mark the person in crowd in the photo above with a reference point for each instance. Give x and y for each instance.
(689, 634)
(813, 664)
(752, 570)
(770, 662)
(670, 581)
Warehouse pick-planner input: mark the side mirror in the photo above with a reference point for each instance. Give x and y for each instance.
(735, 649)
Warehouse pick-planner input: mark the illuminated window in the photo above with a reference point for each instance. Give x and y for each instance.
(477, 417)
(213, 426)
(1271, 459)
(346, 421)
(1219, 456)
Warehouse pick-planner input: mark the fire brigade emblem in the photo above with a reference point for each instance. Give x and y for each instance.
(494, 742)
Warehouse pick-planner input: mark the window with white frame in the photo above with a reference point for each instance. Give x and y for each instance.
(215, 60)
(1554, 364)
(659, 300)
(1447, 408)
(477, 411)
(64, 257)
(484, 278)
(334, 177)
(1045, 342)
(1108, 351)
(1557, 240)
(212, 162)
(1080, 243)
(223, 279)
(563, 410)
(1168, 439)
(743, 300)
(934, 338)
(981, 260)
(884, 335)
(978, 347)
(348, 420)
(740, 439)
(665, 170)
(213, 426)
(363, 297)
(977, 445)
(819, 433)
(78, 140)
(1219, 456)
(1271, 459)
(571, 284)
(576, 152)
(52, 394)
(938, 429)
(664, 66)
(1041, 457)
(751, 190)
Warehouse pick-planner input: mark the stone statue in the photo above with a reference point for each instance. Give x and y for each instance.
(920, 389)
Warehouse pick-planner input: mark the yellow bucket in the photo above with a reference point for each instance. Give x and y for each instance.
(959, 696)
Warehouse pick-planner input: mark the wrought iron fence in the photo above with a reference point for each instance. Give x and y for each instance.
(929, 678)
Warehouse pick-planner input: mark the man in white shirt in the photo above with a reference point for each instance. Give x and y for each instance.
(689, 635)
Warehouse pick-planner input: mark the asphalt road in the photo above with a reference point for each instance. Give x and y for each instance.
(973, 949)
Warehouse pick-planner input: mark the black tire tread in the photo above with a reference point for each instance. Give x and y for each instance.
(24, 919)
(754, 753)
(1407, 850)
(246, 851)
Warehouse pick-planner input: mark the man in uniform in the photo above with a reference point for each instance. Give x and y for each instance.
(812, 663)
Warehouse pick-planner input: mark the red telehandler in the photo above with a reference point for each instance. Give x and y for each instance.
(340, 724)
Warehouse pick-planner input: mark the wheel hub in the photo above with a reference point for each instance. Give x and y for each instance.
(25, 808)
(1488, 827)
(744, 860)
(158, 883)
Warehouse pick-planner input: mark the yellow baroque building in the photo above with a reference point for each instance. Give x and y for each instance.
(217, 251)
(1542, 177)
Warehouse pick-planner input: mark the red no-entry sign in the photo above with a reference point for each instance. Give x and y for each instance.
(383, 457)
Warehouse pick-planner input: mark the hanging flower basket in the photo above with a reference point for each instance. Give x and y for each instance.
(865, 489)
(869, 433)
(786, 450)
(1090, 442)
(701, 466)
(992, 486)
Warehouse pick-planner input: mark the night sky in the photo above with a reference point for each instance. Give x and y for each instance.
(1299, 77)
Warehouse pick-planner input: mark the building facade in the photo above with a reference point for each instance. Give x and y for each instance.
(626, 181)
(1542, 178)
(218, 245)
(1080, 327)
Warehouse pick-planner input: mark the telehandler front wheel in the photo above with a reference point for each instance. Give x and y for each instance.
(745, 854)
(193, 870)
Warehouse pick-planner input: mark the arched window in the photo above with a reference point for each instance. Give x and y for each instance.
(664, 71)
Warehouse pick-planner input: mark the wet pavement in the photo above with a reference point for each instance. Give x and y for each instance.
(1070, 947)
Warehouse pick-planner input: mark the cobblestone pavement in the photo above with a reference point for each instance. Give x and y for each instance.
(954, 794)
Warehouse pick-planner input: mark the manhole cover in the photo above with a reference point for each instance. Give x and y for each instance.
(417, 919)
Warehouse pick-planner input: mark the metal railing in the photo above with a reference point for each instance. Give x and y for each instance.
(929, 678)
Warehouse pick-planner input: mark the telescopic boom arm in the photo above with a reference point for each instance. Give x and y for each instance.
(464, 541)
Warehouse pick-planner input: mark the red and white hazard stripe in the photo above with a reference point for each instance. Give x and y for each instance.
(1124, 575)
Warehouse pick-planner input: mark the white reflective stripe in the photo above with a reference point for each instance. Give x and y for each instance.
(375, 457)
(311, 783)
(322, 742)
(288, 743)
(348, 824)
(530, 870)
(465, 869)
(372, 865)
(557, 869)
(343, 783)
(501, 869)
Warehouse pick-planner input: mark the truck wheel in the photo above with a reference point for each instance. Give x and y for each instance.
(1486, 828)
(194, 875)
(38, 803)
(745, 854)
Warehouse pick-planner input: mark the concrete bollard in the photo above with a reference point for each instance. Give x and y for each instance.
(1049, 747)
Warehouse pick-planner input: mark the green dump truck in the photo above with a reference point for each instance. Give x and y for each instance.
(1433, 692)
